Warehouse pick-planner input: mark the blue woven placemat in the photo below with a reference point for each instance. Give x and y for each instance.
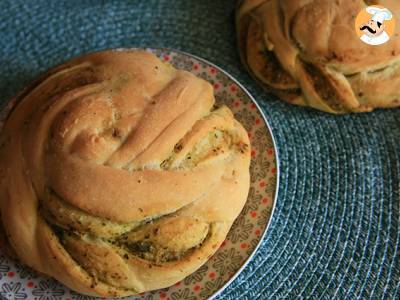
(336, 229)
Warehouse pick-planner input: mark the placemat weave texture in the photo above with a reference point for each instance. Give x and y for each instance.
(336, 229)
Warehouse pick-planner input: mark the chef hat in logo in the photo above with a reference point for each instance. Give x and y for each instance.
(379, 14)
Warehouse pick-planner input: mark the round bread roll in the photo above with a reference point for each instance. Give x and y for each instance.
(118, 174)
(308, 53)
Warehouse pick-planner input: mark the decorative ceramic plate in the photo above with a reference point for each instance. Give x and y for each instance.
(247, 232)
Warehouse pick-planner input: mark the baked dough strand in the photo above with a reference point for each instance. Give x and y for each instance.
(308, 53)
(117, 174)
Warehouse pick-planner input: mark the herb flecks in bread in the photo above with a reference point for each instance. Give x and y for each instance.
(308, 53)
(118, 176)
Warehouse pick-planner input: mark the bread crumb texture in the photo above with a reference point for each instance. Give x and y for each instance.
(118, 176)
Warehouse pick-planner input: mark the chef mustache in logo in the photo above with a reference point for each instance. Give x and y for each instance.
(370, 25)
(374, 30)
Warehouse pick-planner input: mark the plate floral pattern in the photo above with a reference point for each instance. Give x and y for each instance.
(19, 282)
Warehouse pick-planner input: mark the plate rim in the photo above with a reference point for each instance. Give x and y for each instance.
(262, 237)
(41, 75)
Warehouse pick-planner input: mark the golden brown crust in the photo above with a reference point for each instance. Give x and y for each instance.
(116, 175)
(311, 46)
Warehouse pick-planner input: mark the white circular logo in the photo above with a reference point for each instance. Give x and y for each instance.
(375, 25)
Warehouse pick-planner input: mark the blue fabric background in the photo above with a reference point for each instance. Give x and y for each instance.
(335, 232)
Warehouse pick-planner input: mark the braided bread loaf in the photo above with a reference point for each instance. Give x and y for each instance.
(117, 174)
(308, 53)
